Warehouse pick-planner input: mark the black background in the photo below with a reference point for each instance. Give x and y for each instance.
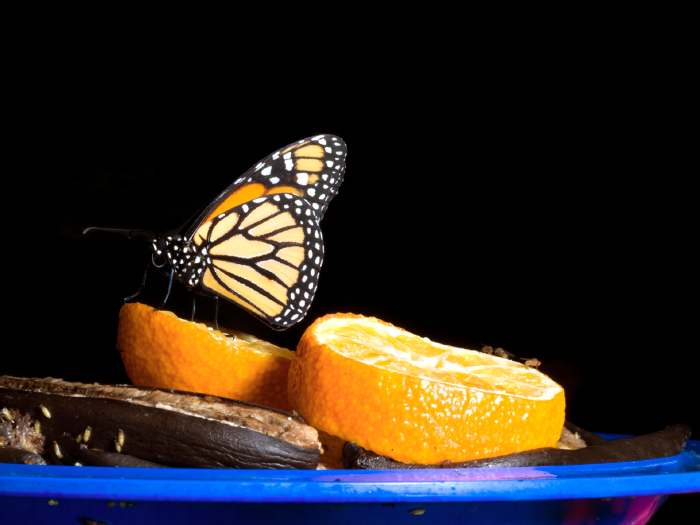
(551, 215)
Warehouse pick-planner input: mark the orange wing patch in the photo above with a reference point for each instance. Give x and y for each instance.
(245, 193)
(308, 157)
(285, 189)
(313, 151)
(304, 165)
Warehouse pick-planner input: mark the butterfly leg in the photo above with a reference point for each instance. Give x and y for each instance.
(216, 311)
(194, 306)
(143, 285)
(170, 286)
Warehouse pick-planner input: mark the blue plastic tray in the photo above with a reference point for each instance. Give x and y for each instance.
(611, 492)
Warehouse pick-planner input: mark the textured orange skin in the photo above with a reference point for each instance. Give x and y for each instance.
(410, 419)
(161, 350)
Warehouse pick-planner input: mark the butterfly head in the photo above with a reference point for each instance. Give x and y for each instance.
(184, 258)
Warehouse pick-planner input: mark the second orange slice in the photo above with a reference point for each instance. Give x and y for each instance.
(417, 401)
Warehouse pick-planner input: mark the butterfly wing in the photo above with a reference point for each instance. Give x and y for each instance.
(311, 168)
(264, 255)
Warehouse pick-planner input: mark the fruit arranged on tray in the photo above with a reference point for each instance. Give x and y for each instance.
(371, 395)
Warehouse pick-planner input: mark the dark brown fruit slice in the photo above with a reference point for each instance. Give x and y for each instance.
(95, 457)
(18, 455)
(667, 442)
(160, 426)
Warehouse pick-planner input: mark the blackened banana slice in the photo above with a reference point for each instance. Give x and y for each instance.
(160, 426)
(667, 442)
(18, 455)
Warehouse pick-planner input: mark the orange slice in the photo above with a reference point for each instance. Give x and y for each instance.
(417, 401)
(161, 350)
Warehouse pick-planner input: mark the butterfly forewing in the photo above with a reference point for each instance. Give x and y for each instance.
(265, 255)
(311, 168)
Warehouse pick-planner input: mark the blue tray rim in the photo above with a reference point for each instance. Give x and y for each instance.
(664, 476)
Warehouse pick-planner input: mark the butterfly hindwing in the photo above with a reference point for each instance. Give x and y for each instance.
(311, 168)
(265, 255)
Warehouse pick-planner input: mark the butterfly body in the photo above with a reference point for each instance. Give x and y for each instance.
(259, 243)
(187, 261)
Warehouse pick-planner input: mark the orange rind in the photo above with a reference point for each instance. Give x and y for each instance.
(416, 401)
(162, 350)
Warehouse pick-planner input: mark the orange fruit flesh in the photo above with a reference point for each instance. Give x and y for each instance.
(161, 350)
(417, 401)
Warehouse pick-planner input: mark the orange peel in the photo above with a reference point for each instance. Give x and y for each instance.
(162, 350)
(416, 401)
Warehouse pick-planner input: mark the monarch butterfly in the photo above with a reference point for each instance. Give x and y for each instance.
(259, 243)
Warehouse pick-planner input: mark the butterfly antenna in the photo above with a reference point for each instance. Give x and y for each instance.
(125, 232)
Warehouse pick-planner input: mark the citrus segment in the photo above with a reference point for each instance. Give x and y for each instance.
(417, 401)
(162, 350)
